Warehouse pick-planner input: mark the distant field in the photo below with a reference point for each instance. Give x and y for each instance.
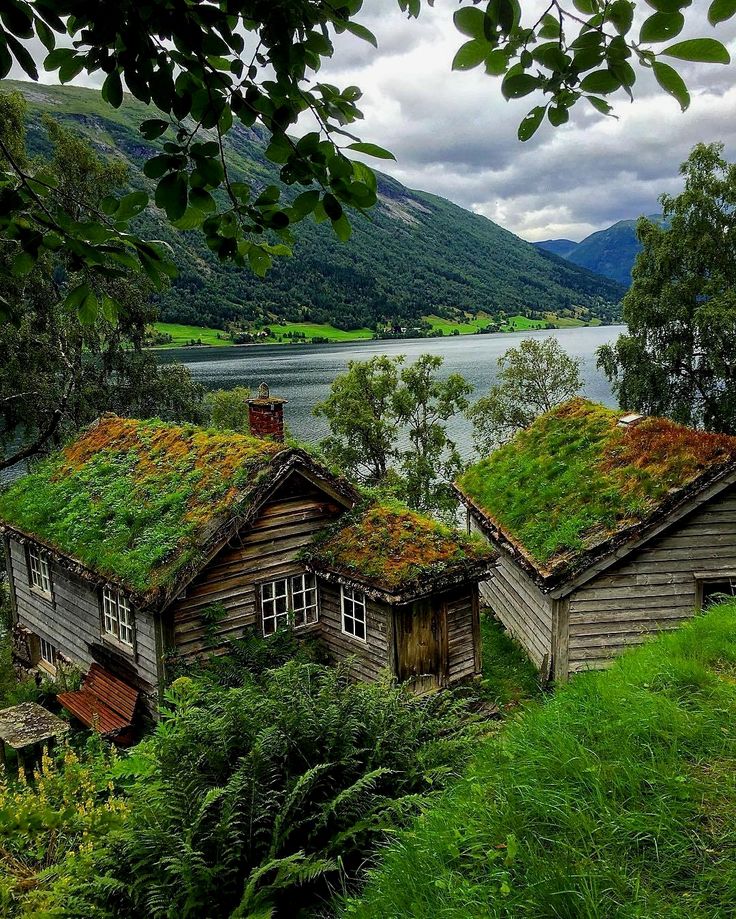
(183, 334)
(315, 330)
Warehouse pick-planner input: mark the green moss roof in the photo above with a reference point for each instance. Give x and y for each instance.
(575, 478)
(136, 501)
(393, 548)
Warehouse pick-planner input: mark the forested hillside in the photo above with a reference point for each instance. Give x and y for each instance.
(610, 252)
(415, 254)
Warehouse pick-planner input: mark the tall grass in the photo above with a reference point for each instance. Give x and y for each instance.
(616, 798)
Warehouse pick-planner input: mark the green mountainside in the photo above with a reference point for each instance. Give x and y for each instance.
(610, 252)
(414, 255)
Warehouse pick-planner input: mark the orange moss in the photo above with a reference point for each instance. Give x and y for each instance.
(391, 545)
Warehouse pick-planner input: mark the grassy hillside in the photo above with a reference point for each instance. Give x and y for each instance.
(415, 254)
(615, 798)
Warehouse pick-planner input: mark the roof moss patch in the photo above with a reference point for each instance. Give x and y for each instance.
(137, 500)
(575, 477)
(391, 547)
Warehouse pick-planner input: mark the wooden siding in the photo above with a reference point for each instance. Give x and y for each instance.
(520, 605)
(370, 659)
(463, 653)
(265, 551)
(72, 621)
(654, 589)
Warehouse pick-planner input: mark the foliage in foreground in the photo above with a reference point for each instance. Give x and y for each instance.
(532, 379)
(676, 358)
(243, 795)
(616, 798)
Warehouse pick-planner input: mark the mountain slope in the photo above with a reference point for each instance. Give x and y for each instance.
(561, 247)
(610, 252)
(415, 254)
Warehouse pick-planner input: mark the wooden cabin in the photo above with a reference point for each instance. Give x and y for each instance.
(609, 527)
(141, 539)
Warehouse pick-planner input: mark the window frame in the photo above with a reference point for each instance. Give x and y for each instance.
(287, 617)
(702, 579)
(44, 662)
(39, 571)
(354, 601)
(303, 591)
(113, 603)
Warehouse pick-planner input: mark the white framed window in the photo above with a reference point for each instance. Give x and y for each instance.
(117, 616)
(48, 653)
(289, 601)
(353, 613)
(304, 604)
(39, 571)
(275, 605)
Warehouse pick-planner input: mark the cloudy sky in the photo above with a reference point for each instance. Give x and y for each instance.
(453, 134)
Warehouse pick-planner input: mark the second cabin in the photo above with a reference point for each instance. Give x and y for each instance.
(141, 539)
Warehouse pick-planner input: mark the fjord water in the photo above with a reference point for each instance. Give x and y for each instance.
(303, 373)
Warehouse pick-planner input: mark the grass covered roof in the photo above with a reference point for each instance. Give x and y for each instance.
(575, 479)
(396, 550)
(137, 501)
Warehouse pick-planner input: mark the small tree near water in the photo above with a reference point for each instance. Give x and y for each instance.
(532, 379)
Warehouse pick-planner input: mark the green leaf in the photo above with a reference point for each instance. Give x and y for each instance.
(131, 205)
(23, 264)
(471, 54)
(153, 128)
(531, 123)
(305, 203)
(558, 115)
(112, 89)
(110, 308)
(661, 27)
(88, 308)
(497, 63)
(355, 28)
(45, 34)
(259, 261)
(517, 85)
(171, 194)
(671, 81)
(599, 104)
(156, 166)
(342, 228)
(372, 150)
(600, 81)
(202, 200)
(550, 27)
(332, 207)
(471, 21)
(721, 10)
(700, 50)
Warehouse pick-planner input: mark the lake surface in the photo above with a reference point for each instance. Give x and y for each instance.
(303, 373)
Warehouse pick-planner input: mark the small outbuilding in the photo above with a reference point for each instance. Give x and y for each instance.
(142, 540)
(610, 527)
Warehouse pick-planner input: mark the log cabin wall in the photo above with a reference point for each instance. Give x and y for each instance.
(71, 621)
(371, 658)
(655, 588)
(265, 551)
(520, 605)
(463, 634)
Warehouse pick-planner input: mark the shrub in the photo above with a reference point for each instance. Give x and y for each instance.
(242, 794)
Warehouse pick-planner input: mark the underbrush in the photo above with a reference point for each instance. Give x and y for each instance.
(615, 798)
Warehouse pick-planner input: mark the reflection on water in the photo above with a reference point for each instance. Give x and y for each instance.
(303, 373)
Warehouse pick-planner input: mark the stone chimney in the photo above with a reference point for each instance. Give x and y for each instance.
(266, 414)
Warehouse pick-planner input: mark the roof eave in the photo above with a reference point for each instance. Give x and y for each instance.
(418, 589)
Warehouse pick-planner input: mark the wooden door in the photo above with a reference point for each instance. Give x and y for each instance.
(420, 638)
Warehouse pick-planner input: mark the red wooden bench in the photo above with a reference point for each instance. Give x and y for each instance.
(104, 703)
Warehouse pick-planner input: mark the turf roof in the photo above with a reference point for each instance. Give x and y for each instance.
(137, 500)
(574, 479)
(392, 548)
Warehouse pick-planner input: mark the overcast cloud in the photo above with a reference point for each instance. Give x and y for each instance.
(454, 135)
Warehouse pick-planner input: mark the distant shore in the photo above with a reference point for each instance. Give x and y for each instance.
(195, 337)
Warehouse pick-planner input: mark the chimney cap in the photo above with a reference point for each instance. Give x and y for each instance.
(264, 397)
(630, 419)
